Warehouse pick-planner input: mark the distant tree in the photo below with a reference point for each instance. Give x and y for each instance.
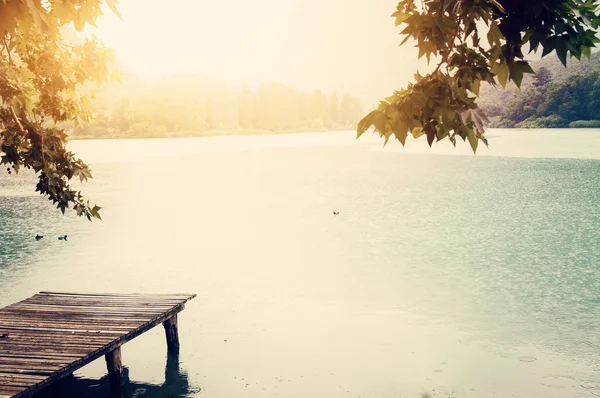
(319, 107)
(208, 114)
(334, 108)
(443, 103)
(245, 112)
(118, 117)
(542, 77)
(351, 110)
(593, 105)
(303, 107)
(568, 108)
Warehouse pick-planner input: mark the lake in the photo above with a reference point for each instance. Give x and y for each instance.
(444, 273)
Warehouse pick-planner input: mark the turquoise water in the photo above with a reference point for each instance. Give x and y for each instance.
(446, 273)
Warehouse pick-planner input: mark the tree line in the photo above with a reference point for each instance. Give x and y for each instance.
(553, 97)
(192, 106)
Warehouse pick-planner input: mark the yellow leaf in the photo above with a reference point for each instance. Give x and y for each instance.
(113, 6)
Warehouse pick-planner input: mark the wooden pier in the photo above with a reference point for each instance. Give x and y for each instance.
(50, 335)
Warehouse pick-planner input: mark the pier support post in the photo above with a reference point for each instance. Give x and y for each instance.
(172, 334)
(115, 370)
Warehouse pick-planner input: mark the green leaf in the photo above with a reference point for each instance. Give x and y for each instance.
(400, 17)
(417, 132)
(95, 212)
(587, 52)
(427, 48)
(549, 46)
(430, 131)
(494, 35)
(561, 51)
(475, 85)
(472, 140)
(517, 69)
(380, 122)
(501, 70)
(365, 123)
(399, 127)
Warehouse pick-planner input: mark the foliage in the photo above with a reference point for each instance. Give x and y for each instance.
(40, 87)
(543, 76)
(585, 124)
(563, 101)
(443, 103)
(192, 106)
(544, 122)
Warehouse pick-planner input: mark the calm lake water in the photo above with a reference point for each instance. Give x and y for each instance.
(446, 273)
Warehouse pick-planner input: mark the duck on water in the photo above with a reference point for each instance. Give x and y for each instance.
(38, 237)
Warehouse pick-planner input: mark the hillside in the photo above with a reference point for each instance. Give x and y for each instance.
(555, 97)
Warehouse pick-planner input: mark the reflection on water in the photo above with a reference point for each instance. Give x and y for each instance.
(175, 385)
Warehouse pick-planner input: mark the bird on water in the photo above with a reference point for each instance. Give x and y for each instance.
(38, 237)
(62, 237)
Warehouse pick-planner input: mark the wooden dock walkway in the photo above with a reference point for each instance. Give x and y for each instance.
(51, 335)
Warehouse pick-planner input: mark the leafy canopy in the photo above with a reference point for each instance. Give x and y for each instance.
(42, 86)
(475, 41)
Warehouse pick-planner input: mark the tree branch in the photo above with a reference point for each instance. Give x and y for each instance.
(7, 49)
(447, 55)
(16, 119)
(12, 110)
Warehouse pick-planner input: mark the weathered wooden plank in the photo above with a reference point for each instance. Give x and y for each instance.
(84, 313)
(107, 303)
(8, 391)
(43, 355)
(79, 316)
(53, 341)
(59, 322)
(31, 368)
(18, 334)
(188, 296)
(183, 296)
(68, 330)
(115, 300)
(75, 307)
(72, 347)
(15, 383)
(6, 376)
(8, 317)
(23, 363)
(22, 332)
(48, 345)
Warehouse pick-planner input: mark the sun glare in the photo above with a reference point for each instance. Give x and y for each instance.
(311, 44)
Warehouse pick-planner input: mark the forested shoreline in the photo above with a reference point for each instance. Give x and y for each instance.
(555, 97)
(189, 106)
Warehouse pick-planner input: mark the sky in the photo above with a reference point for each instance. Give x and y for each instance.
(334, 45)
